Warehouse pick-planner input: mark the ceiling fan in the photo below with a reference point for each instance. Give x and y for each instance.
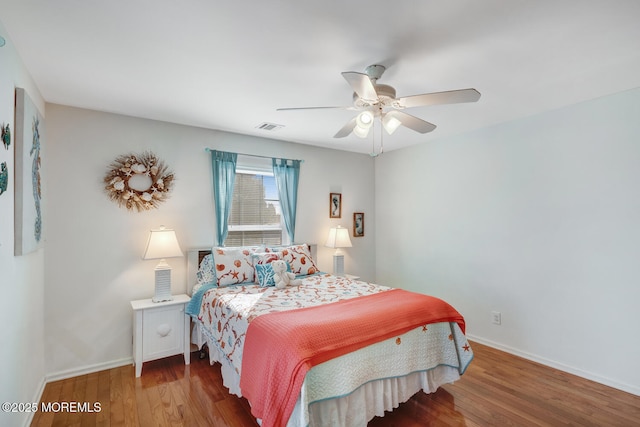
(375, 100)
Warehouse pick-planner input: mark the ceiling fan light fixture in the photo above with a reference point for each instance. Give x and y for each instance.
(361, 132)
(371, 98)
(365, 119)
(390, 123)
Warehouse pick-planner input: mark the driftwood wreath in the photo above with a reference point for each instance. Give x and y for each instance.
(138, 182)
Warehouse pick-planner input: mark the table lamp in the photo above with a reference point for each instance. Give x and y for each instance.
(162, 244)
(338, 238)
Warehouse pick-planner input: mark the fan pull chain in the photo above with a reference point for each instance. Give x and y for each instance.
(373, 141)
(381, 139)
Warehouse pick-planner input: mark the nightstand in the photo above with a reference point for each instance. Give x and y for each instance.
(160, 329)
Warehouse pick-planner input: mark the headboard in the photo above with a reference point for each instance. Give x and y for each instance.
(195, 256)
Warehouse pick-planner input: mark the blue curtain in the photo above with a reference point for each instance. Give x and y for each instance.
(287, 173)
(224, 176)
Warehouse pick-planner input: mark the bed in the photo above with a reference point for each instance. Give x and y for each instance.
(290, 352)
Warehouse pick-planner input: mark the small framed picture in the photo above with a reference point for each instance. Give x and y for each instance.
(335, 205)
(358, 224)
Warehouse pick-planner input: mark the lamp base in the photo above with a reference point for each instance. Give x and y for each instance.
(338, 265)
(163, 282)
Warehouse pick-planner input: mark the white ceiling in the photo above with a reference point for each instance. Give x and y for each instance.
(229, 65)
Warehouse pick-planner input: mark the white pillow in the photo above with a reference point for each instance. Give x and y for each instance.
(299, 258)
(232, 266)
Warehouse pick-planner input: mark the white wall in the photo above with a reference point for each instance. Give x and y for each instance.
(93, 266)
(21, 278)
(538, 219)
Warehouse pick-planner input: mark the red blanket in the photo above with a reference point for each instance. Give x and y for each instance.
(281, 347)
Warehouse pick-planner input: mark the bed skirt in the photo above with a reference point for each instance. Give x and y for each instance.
(356, 408)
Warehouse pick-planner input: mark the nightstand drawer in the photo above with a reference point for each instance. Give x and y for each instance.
(162, 332)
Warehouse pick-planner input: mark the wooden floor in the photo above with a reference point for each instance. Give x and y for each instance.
(498, 389)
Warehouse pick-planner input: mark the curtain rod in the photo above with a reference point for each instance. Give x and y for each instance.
(253, 155)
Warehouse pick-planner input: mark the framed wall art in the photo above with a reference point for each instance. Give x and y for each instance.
(358, 224)
(335, 205)
(28, 138)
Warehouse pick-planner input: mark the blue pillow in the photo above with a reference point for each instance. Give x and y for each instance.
(265, 275)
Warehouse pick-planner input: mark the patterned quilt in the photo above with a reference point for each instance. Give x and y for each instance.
(226, 312)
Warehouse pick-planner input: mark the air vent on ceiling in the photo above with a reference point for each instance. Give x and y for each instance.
(269, 126)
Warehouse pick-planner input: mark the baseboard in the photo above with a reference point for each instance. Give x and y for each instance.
(29, 419)
(89, 369)
(70, 373)
(557, 365)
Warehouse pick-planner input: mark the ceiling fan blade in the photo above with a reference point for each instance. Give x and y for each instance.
(361, 84)
(346, 129)
(314, 108)
(435, 98)
(412, 122)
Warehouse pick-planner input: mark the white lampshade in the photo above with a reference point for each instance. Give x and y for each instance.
(390, 123)
(338, 238)
(364, 121)
(162, 244)
(360, 132)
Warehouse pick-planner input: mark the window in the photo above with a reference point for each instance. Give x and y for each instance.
(255, 211)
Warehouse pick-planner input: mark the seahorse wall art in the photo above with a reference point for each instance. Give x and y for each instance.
(6, 135)
(4, 177)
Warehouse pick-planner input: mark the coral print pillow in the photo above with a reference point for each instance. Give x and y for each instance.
(232, 266)
(299, 258)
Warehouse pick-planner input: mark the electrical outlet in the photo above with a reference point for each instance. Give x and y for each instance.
(496, 317)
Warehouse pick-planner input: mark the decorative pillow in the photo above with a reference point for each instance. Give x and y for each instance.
(206, 273)
(232, 266)
(264, 274)
(299, 258)
(262, 258)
